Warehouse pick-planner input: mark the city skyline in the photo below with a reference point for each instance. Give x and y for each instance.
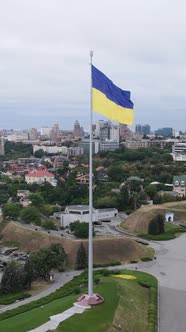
(44, 71)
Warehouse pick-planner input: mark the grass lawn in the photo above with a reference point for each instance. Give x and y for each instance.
(117, 309)
(126, 304)
(171, 232)
(35, 317)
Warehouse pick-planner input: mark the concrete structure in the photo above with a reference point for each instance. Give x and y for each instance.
(169, 217)
(39, 177)
(179, 151)
(45, 131)
(2, 147)
(179, 183)
(85, 145)
(33, 134)
(81, 213)
(53, 149)
(109, 145)
(165, 132)
(77, 129)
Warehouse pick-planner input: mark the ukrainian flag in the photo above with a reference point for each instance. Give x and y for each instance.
(109, 100)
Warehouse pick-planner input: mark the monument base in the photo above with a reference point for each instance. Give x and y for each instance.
(87, 301)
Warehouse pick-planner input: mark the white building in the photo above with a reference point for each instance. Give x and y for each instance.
(39, 177)
(51, 149)
(81, 213)
(114, 133)
(179, 151)
(45, 131)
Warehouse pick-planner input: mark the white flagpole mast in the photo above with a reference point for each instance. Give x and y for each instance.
(90, 249)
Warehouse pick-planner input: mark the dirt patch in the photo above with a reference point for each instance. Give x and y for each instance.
(105, 250)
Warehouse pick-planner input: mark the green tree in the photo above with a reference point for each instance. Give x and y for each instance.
(81, 258)
(48, 258)
(39, 153)
(11, 210)
(157, 225)
(80, 229)
(29, 273)
(48, 224)
(124, 197)
(29, 215)
(13, 279)
(37, 199)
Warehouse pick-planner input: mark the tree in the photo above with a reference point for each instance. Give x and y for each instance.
(29, 215)
(11, 210)
(48, 224)
(37, 199)
(80, 230)
(81, 258)
(39, 153)
(157, 225)
(48, 258)
(29, 273)
(124, 197)
(13, 279)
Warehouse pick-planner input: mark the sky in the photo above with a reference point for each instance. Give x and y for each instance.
(44, 59)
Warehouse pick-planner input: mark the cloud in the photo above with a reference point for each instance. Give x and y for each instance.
(44, 56)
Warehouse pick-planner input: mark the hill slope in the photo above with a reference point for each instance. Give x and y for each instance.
(138, 222)
(105, 250)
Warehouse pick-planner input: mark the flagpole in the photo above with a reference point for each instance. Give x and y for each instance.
(90, 248)
(87, 300)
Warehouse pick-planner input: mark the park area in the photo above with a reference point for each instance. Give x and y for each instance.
(130, 305)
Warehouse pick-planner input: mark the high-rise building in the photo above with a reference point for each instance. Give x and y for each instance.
(33, 134)
(166, 132)
(138, 128)
(2, 146)
(105, 131)
(145, 130)
(45, 132)
(99, 124)
(55, 133)
(124, 131)
(77, 129)
(114, 133)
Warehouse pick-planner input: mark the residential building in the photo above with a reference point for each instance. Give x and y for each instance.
(2, 146)
(114, 133)
(77, 129)
(124, 131)
(85, 144)
(39, 177)
(33, 134)
(109, 145)
(179, 185)
(82, 179)
(55, 133)
(45, 132)
(179, 151)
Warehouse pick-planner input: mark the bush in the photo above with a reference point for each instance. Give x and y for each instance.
(146, 259)
(97, 280)
(11, 298)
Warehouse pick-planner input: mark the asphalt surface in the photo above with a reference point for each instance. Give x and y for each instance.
(170, 269)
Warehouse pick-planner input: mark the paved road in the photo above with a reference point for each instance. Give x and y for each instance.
(170, 269)
(60, 280)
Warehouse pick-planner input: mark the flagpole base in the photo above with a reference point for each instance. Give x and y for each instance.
(87, 301)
